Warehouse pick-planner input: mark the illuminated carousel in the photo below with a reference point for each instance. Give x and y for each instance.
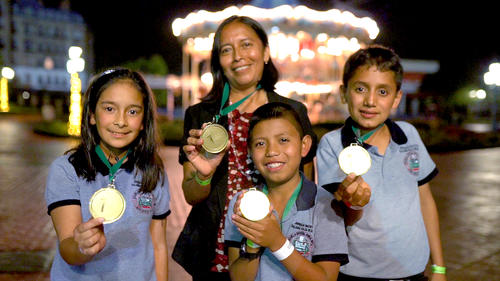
(309, 47)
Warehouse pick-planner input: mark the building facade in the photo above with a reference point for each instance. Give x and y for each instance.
(34, 41)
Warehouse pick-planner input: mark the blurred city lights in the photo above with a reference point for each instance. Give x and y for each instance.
(75, 52)
(207, 78)
(481, 94)
(7, 74)
(477, 94)
(492, 78)
(74, 65)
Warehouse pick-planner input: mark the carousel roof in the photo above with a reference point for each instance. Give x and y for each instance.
(286, 18)
(268, 4)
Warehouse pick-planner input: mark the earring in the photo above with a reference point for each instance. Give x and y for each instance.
(265, 62)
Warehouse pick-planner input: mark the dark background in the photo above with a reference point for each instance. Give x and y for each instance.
(464, 37)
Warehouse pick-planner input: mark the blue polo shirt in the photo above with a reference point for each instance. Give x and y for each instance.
(128, 254)
(390, 240)
(314, 229)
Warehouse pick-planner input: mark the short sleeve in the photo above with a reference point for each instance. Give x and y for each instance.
(329, 231)
(162, 199)
(329, 171)
(61, 187)
(232, 236)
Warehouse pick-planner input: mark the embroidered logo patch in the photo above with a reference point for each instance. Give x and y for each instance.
(412, 162)
(143, 202)
(303, 243)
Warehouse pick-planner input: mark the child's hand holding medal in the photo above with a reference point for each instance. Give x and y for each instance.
(354, 192)
(355, 161)
(90, 236)
(253, 205)
(253, 217)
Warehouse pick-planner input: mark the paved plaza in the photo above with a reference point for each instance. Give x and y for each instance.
(467, 192)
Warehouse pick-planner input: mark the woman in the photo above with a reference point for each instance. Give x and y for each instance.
(241, 65)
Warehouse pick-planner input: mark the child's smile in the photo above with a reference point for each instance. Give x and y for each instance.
(276, 149)
(275, 166)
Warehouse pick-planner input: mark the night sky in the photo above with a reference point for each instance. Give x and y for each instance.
(463, 37)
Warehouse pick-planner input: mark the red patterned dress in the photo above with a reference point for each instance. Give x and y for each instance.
(239, 176)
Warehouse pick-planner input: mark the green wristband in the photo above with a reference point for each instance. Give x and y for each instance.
(251, 244)
(438, 269)
(200, 181)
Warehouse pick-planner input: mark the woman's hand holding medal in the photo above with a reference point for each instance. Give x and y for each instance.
(203, 162)
(90, 236)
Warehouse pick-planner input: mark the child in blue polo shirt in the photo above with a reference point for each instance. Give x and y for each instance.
(390, 238)
(301, 238)
(108, 197)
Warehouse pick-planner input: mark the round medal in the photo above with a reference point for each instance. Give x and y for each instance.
(107, 203)
(254, 205)
(354, 159)
(215, 138)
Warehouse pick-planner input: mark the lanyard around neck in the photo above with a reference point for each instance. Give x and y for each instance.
(112, 169)
(290, 202)
(225, 97)
(361, 139)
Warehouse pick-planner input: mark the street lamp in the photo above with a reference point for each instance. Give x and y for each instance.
(492, 78)
(7, 74)
(74, 65)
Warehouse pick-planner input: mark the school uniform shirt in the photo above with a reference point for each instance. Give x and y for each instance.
(128, 254)
(311, 226)
(390, 239)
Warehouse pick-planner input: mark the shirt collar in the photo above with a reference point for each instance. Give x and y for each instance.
(307, 194)
(348, 136)
(104, 170)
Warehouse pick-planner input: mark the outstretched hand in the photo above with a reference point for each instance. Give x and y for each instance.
(90, 236)
(353, 191)
(204, 165)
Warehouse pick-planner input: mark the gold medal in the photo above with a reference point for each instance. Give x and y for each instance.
(107, 203)
(354, 159)
(215, 138)
(254, 205)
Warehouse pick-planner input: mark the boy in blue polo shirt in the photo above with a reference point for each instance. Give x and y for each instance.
(390, 237)
(301, 238)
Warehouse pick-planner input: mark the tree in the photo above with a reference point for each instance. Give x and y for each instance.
(154, 65)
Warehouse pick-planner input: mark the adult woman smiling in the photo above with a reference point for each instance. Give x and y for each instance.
(244, 79)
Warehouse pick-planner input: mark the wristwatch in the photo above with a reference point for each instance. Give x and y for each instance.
(249, 256)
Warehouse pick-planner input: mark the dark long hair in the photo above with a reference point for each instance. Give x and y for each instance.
(385, 59)
(144, 147)
(270, 73)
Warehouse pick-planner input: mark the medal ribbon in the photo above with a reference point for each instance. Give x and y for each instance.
(290, 202)
(361, 139)
(112, 169)
(225, 97)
